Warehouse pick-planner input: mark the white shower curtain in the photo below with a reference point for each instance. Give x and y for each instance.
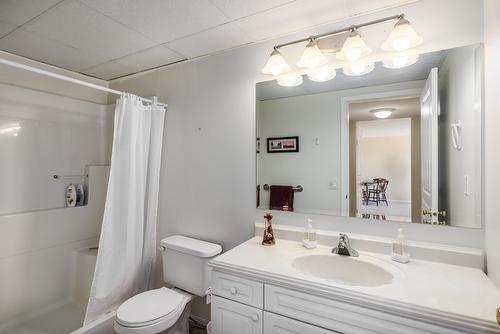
(127, 246)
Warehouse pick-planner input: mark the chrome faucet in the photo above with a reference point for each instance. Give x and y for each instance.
(343, 247)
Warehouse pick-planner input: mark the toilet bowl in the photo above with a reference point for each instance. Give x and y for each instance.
(153, 311)
(167, 310)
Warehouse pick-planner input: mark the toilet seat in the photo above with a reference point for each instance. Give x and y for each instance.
(151, 312)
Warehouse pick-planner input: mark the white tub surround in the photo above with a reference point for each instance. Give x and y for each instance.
(43, 272)
(423, 297)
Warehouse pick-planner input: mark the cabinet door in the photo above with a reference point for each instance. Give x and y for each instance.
(276, 324)
(230, 317)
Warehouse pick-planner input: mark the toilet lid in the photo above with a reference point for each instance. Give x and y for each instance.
(149, 306)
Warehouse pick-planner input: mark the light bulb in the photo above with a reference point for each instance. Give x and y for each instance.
(401, 43)
(358, 69)
(290, 80)
(322, 74)
(400, 61)
(312, 56)
(354, 47)
(402, 37)
(382, 112)
(276, 64)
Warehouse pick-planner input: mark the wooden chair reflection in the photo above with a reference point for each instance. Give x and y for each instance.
(377, 190)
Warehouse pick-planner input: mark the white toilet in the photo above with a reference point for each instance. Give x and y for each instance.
(167, 310)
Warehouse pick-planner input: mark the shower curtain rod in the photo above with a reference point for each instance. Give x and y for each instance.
(72, 80)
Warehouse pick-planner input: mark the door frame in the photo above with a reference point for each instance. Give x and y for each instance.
(345, 101)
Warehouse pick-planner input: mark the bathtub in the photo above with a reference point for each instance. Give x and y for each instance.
(82, 274)
(84, 261)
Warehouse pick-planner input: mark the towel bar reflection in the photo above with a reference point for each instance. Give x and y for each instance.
(66, 177)
(298, 188)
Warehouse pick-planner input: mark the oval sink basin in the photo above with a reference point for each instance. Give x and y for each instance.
(343, 269)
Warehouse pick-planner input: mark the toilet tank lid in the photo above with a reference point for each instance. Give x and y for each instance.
(191, 246)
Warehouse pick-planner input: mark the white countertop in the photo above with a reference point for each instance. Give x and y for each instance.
(426, 290)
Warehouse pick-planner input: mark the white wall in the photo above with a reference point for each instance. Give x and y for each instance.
(43, 134)
(491, 123)
(387, 156)
(460, 92)
(208, 165)
(309, 117)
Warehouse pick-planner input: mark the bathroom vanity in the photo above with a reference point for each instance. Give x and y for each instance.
(289, 289)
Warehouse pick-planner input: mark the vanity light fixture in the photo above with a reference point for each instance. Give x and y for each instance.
(312, 56)
(276, 64)
(382, 112)
(322, 74)
(290, 80)
(354, 47)
(358, 69)
(402, 37)
(400, 61)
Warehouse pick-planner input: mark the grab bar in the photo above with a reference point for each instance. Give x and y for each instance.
(298, 188)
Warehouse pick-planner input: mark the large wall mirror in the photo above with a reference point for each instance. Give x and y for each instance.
(399, 144)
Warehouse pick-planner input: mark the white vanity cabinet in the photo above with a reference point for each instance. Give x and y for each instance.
(230, 317)
(246, 306)
(238, 308)
(277, 324)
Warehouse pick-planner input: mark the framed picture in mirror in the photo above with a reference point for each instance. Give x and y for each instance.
(283, 144)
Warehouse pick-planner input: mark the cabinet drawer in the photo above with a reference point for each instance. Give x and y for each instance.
(230, 317)
(276, 324)
(341, 316)
(238, 289)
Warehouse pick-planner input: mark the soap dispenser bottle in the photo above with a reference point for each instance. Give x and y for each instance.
(309, 240)
(400, 248)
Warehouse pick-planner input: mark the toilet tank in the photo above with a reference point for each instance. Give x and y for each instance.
(185, 263)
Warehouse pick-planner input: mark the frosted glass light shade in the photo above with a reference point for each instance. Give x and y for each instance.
(400, 61)
(358, 69)
(312, 56)
(322, 74)
(354, 48)
(383, 112)
(276, 64)
(290, 80)
(402, 37)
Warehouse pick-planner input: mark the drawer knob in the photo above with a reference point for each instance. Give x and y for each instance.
(233, 291)
(255, 317)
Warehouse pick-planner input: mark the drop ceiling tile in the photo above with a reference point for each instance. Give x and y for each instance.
(109, 70)
(37, 47)
(303, 14)
(162, 20)
(236, 9)
(6, 27)
(14, 13)
(74, 24)
(154, 57)
(216, 39)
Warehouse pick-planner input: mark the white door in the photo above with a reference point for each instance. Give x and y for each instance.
(230, 317)
(429, 145)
